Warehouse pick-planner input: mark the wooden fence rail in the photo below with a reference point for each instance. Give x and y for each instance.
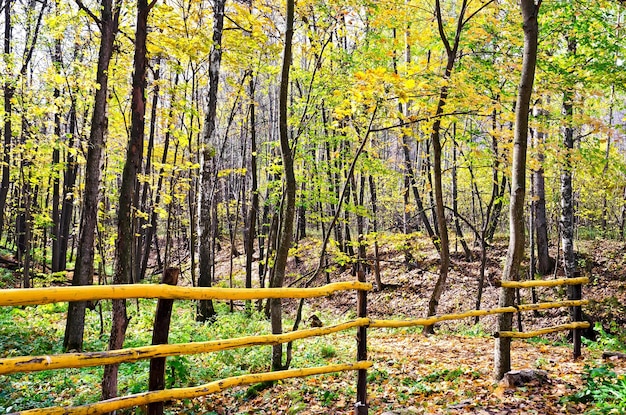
(38, 296)
(88, 359)
(191, 392)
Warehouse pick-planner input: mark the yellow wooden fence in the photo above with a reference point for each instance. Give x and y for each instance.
(38, 296)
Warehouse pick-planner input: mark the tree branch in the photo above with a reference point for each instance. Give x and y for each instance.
(442, 32)
(476, 12)
(95, 18)
(427, 118)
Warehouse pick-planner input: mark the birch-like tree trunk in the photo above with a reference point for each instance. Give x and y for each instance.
(567, 194)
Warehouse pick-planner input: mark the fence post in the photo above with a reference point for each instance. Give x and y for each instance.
(360, 408)
(160, 334)
(574, 292)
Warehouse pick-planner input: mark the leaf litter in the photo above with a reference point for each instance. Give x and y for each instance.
(415, 374)
(446, 373)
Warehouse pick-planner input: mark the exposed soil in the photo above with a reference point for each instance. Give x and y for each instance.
(450, 372)
(414, 374)
(446, 373)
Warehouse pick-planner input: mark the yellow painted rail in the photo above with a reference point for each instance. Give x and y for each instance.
(38, 296)
(541, 332)
(191, 392)
(77, 360)
(473, 313)
(542, 283)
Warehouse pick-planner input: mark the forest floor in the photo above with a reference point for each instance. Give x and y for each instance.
(443, 374)
(451, 372)
(447, 373)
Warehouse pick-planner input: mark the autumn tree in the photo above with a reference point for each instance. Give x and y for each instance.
(83, 273)
(451, 52)
(8, 90)
(125, 232)
(208, 152)
(288, 213)
(530, 12)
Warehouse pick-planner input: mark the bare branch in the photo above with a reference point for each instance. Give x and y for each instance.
(476, 12)
(442, 32)
(426, 118)
(95, 18)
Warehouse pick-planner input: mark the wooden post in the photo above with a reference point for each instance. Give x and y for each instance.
(574, 292)
(160, 334)
(360, 408)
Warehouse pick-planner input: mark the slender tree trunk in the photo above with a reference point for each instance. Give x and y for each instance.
(69, 180)
(290, 192)
(374, 200)
(250, 231)
(151, 232)
(142, 250)
(301, 229)
(24, 228)
(502, 354)
(567, 194)
(498, 187)
(455, 202)
(444, 245)
(206, 202)
(83, 272)
(410, 173)
(545, 263)
(497, 210)
(56, 158)
(9, 91)
(125, 233)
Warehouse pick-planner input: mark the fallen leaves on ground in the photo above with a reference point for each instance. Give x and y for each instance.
(414, 374)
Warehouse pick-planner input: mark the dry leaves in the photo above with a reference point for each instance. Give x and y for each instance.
(414, 374)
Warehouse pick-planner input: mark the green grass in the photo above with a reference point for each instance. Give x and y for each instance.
(29, 331)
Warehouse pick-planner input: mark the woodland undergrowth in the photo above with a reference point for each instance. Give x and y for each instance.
(450, 372)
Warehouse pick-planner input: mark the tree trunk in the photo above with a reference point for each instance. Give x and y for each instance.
(250, 231)
(545, 263)
(207, 181)
(289, 211)
(444, 253)
(160, 335)
(9, 91)
(151, 231)
(498, 187)
(455, 202)
(142, 250)
(69, 180)
(502, 354)
(83, 272)
(125, 233)
(56, 158)
(567, 203)
(374, 200)
(410, 173)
